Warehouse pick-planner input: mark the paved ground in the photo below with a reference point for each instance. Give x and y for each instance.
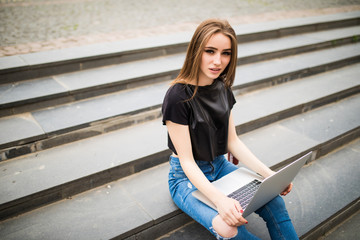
(37, 25)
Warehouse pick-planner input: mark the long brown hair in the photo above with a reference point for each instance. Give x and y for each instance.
(191, 68)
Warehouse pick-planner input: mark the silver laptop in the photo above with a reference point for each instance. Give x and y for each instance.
(252, 190)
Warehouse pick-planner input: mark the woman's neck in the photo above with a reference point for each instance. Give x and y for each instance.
(202, 82)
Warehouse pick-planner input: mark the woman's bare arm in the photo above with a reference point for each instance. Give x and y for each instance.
(243, 154)
(240, 151)
(228, 208)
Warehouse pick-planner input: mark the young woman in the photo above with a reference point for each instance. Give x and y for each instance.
(197, 113)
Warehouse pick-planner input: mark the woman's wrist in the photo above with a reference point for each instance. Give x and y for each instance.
(218, 198)
(269, 173)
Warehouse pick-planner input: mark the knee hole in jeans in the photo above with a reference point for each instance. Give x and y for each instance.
(220, 237)
(225, 231)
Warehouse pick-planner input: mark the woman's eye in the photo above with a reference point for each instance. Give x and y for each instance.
(227, 53)
(209, 51)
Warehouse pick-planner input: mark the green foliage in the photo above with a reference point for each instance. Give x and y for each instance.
(356, 38)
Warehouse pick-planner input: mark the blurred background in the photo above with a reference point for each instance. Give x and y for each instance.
(38, 25)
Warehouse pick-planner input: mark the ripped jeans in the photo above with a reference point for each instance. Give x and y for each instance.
(274, 212)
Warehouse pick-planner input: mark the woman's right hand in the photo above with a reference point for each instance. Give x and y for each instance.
(230, 211)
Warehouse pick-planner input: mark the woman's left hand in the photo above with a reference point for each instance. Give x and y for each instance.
(287, 189)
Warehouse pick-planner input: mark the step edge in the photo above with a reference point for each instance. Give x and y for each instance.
(354, 17)
(56, 139)
(332, 221)
(300, 73)
(84, 92)
(160, 157)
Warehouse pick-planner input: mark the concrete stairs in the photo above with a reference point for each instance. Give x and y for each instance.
(83, 152)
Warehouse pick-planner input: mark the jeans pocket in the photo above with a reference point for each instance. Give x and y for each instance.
(177, 172)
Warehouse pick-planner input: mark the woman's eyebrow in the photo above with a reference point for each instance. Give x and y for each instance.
(214, 48)
(211, 47)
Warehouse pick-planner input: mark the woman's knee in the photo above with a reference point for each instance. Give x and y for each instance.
(223, 229)
(275, 210)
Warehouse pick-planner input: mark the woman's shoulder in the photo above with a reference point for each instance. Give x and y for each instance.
(175, 107)
(177, 92)
(177, 87)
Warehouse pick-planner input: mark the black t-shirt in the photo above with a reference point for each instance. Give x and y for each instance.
(207, 116)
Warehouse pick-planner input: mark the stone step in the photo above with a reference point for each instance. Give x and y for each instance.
(25, 96)
(58, 173)
(42, 64)
(348, 229)
(312, 210)
(38, 130)
(128, 208)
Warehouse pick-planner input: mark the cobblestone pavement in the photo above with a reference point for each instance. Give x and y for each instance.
(37, 25)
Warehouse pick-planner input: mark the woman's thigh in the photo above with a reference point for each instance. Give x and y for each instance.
(181, 191)
(196, 209)
(223, 167)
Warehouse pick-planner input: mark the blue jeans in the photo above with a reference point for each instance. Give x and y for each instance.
(274, 212)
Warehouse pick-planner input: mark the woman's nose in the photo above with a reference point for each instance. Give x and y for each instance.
(217, 59)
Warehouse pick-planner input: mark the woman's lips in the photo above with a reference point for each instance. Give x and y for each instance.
(215, 70)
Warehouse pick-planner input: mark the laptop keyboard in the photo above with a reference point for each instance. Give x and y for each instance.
(245, 193)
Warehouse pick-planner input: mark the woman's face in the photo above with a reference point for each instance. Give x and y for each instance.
(215, 58)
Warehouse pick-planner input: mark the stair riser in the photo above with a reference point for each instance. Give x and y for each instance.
(73, 65)
(315, 233)
(42, 70)
(44, 142)
(54, 139)
(337, 142)
(67, 190)
(159, 229)
(261, 122)
(180, 220)
(35, 104)
(298, 50)
(297, 30)
(275, 80)
(58, 193)
(68, 97)
(335, 220)
(124, 118)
